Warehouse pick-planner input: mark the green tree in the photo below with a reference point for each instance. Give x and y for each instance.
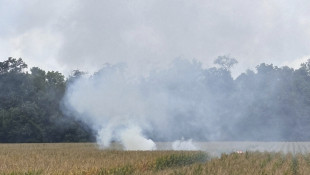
(12, 65)
(30, 106)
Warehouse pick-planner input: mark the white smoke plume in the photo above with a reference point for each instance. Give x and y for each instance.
(184, 145)
(132, 139)
(164, 105)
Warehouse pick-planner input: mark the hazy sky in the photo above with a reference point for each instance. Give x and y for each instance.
(78, 34)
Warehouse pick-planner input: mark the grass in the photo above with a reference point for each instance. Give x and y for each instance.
(256, 163)
(87, 159)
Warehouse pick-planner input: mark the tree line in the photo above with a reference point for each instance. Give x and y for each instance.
(269, 104)
(30, 109)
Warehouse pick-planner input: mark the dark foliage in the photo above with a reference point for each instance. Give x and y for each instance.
(30, 106)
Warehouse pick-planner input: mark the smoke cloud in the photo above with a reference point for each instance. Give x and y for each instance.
(185, 102)
(166, 104)
(184, 145)
(66, 35)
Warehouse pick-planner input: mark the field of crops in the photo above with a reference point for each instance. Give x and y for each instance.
(215, 149)
(86, 158)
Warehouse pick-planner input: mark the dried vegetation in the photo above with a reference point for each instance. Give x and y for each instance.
(87, 159)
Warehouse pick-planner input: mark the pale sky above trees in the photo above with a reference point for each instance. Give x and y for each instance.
(75, 34)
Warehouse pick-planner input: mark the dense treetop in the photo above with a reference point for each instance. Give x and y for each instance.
(30, 106)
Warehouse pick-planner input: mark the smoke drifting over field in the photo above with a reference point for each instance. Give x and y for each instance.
(167, 104)
(185, 101)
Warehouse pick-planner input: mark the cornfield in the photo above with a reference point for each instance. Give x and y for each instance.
(88, 159)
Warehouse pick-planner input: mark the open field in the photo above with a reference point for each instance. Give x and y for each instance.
(86, 158)
(217, 148)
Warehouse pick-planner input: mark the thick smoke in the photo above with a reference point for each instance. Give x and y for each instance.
(166, 104)
(185, 102)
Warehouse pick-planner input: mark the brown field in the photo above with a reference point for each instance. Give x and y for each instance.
(86, 158)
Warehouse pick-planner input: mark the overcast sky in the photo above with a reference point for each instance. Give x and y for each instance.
(76, 34)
